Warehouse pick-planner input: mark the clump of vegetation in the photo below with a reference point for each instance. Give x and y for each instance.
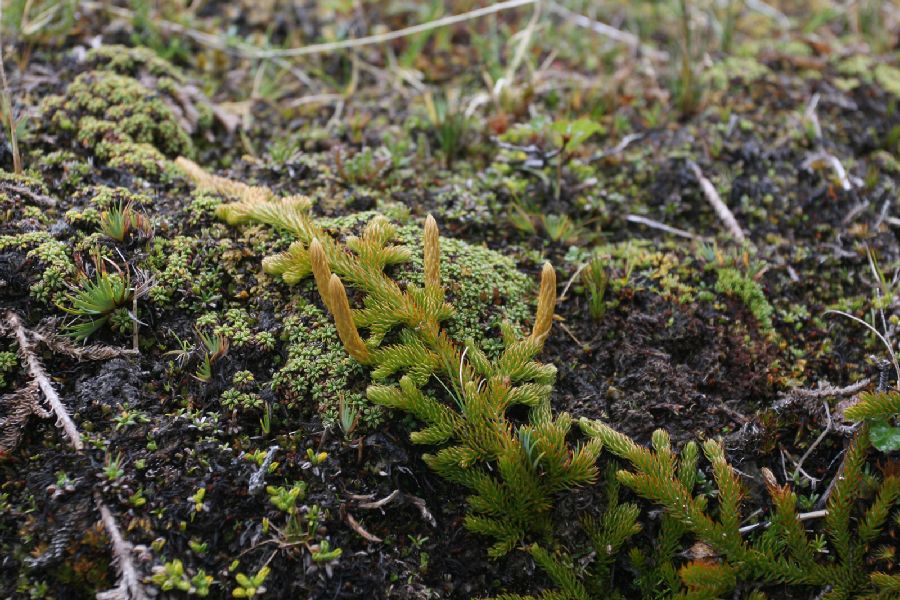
(734, 283)
(783, 551)
(52, 258)
(881, 410)
(513, 470)
(105, 297)
(119, 120)
(318, 371)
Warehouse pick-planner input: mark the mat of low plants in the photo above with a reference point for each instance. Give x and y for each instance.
(530, 299)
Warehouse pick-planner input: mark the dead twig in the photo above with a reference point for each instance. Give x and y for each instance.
(712, 196)
(8, 111)
(19, 406)
(572, 279)
(380, 503)
(835, 164)
(828, 391)
(39, 375)
(63, 345)
(662, 227)
(355, 526)
(620, 147)
(249, 51)
(816, 514)
(423, 509)
(258, 479)
(607, 31)
(129, 583)
(39, 199)
(395, 495)
(814, 445)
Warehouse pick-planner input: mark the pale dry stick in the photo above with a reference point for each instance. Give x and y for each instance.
(662, 227)
(380, 503)
(836, 166)
(135, 326)
(381, 38)
(574, 337)
(876, 275)
(572, 279)
(129, 582)
(248, 51)
(827, 391)
(616, 35)
(36, 370)
(258, 478)
(712, 196)
(887, 344)
(620, 147)
(798, 468)
(129, 586)
(810, 113)
(355, 526)
(769, 11)
(204, 39)
(8, 109)
(37, 198)
(526, 36)
(816, 514)
(815, 444)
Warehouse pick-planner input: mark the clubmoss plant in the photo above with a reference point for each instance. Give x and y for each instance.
(881, 410)
(783, 551)
(514, 470)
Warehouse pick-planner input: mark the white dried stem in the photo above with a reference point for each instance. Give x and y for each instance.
(250, 51)
(607, 31)
(722, 211)
(129, 580)
(39, 375)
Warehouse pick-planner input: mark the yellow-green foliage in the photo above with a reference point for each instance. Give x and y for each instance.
(187, 271)
(514, 470)
(877, 405)
(733, 283)
(783, 552)
(484, 286)
(119, 120)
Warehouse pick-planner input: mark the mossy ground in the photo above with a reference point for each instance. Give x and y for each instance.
(699, 335)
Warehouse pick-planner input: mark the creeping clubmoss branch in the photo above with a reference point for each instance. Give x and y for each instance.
(784, 552)
(513, 470)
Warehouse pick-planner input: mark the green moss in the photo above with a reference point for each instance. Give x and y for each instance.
(131, 61)
(119, 120)
(187, 271)
(72, 171)
(105, 197)
(237, 327)
(889, 78)
(33, 183)
(54, 260)
(8, 362)
(319, 371)
(734, 283)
